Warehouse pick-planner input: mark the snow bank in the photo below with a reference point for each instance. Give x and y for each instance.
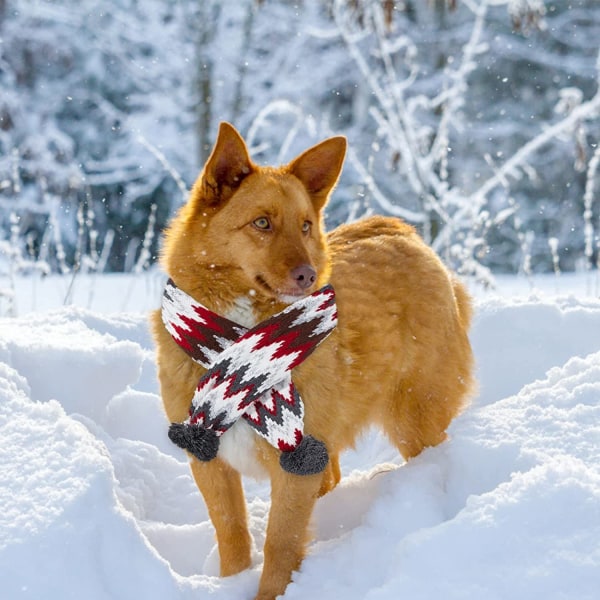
(96, 503)
(63, 530)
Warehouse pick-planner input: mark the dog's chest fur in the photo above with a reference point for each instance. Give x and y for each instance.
(238, 445)
(242, 312)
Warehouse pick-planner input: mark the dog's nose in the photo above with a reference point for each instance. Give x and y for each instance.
(304, 276)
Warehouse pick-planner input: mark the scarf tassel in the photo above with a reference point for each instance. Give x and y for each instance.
(309, 457)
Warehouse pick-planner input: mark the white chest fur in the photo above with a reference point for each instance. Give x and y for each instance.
(242, 312)
(238, 445)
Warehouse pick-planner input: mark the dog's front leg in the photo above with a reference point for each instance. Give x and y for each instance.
(221, 487)
(292, 501)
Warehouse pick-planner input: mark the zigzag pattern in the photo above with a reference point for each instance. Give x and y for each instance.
(224, 394)
(249, 371)
(202, 333)
(281, 410)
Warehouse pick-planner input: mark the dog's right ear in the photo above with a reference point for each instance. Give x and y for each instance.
(226, 167)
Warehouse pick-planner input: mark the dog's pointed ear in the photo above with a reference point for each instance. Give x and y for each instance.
(319, 168)
(227, 166)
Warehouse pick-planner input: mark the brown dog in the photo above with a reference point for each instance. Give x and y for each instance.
(250, 241)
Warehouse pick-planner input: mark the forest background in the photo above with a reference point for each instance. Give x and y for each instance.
(478, 121)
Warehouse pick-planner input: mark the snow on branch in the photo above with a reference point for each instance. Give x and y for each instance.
(396, 114)
(587, 110)
(588, 198)
(279, 108)
(417, 105)
(379, 196)
(162, 159)
(473, 202)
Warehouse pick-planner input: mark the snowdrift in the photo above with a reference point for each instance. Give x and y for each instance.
(95, 502)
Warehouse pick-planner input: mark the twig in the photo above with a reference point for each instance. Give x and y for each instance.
(517, 161)
(162, 159)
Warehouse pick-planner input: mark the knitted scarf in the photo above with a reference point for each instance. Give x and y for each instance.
(249, 375)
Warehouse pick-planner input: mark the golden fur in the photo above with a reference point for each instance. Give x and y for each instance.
(400, 357)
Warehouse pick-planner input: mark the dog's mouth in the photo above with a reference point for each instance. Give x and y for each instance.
(288, 295)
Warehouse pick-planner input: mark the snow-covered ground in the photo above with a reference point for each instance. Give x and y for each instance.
(96, 503)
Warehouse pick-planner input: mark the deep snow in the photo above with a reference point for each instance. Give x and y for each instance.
(96, 503)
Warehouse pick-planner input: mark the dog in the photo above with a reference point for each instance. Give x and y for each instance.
(249, 242)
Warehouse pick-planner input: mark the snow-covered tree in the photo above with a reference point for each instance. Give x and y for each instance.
(483, 121)
(476, 120)
(87, 88)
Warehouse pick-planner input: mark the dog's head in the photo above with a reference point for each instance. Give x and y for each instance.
(258, 229)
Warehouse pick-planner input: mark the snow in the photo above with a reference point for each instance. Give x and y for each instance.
(95, 501)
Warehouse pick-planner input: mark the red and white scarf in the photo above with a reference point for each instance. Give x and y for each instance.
(249, 374)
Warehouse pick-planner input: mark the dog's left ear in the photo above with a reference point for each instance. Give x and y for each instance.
(319, 168)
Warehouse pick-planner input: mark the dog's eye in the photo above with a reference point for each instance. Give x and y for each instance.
(262, 223)
(306, 226)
